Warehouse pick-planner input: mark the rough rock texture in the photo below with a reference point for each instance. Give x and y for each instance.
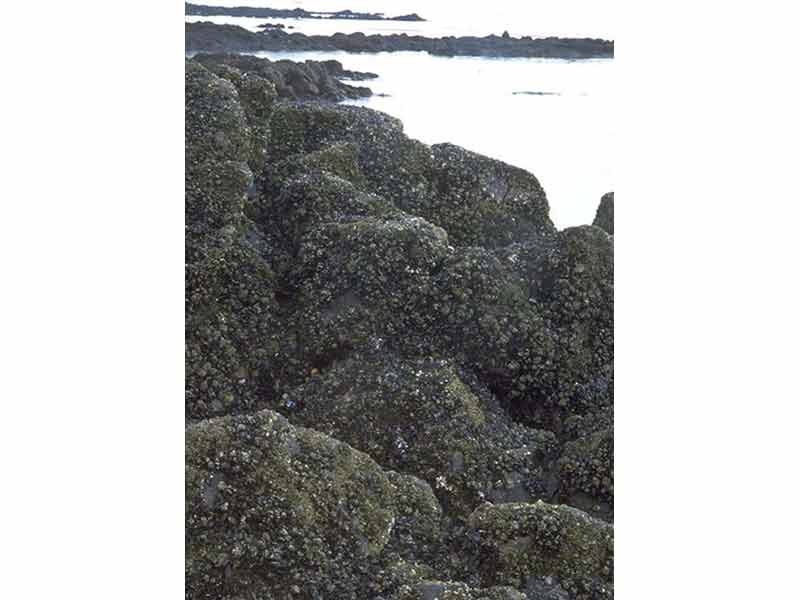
(442, 590)
(309, 80)
(604, 219)
(392, 357)
(478, 200)
(232, 38)
(420, 417)
(528, 544)
(266, 501)
(291, 13)
(230, 306)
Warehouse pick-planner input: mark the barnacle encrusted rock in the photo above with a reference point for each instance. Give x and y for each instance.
(230, 306)
(420, 417)
(256, 96)
(413, 307)
(448, 590)
(526, 542)
(229, 324)
(360, 279)
(270, 507)
(293, 80)
(604, 219)
(485, 202)
(338, 159)
(417, 532)
(217, 148)
(586, 466)
(478, 200)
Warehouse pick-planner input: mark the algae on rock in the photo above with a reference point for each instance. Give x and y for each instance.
(449, 351)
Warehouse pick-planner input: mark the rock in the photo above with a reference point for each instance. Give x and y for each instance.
(335, 69)
(230, 330)
(308, 80)
(409, 17)
(484, 202)
(586, 467)
(420, 417)
(448, 590)
(256, 95)
(478, 200)
(604, 219)
(230, 307)
(571, 279)
(533, 320)
(217, 149)
(527, 544)
(293, 13)
(272, 509)
(415, 308)
(209, 37)
(339, 159)
(417, 532)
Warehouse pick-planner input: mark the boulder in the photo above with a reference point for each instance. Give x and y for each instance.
(421, 417)
(310, 80)
(528, 545)
(477, 200)
(604, 219)
(230, 306)
(278, 511)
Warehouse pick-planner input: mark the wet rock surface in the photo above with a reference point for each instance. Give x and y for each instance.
(204, 36)
(399, 373)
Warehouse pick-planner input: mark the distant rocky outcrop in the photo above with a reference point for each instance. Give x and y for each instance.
(604, 219)
(231, 38)
(309, 80)
(291, 13)
(399, 373)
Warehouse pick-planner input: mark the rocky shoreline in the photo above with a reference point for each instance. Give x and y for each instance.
(399, 373)
(309, 80)
(210, 37)
(291, 13)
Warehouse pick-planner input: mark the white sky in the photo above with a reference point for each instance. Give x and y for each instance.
(583, 17)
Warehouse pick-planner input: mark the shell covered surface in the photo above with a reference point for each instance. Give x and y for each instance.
(399, 373)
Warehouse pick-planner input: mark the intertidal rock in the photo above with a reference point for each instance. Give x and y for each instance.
(292, 80)
(291, 13)
(586, 466)
(209, 37)
(604, 219)
(441, 356)
(420, 417)
(229, 301)
(448, 590)
(417, 532)
(478, 200)
(528, 545)
(277, 511)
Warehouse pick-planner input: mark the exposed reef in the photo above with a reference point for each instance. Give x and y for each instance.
(292, 13)
(604, 219)
(399, 373)
(309, 80)
(232, 38)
